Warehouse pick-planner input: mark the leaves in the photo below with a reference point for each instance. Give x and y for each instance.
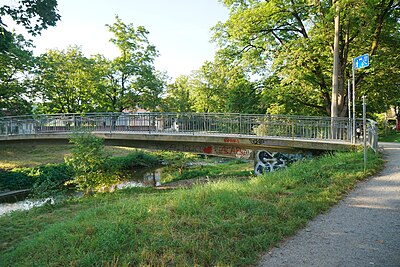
(14, 77)
(34, 15)
(293, 41)
(68, 82)
(132, 80)
(88, 162)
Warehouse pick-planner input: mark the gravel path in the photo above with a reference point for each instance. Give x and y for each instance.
(362, 230)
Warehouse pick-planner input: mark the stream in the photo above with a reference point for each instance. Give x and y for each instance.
(147, 177)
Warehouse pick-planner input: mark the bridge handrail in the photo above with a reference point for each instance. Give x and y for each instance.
(288, 126)
(372, 134)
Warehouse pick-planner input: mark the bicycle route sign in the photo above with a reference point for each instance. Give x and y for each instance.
(361, 61)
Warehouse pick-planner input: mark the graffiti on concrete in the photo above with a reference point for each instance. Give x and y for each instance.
(256, 141)
(233, 151)
(218, 150)
(266, 161)
(230, 151)
(231, 140)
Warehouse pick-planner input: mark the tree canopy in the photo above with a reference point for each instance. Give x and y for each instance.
(132, 80)
(293, 40)
(275, 56)
(34, 15)
(67, 82)
(15, 84)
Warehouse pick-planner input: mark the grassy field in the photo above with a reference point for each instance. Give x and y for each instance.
(221, 223)
(31, 155)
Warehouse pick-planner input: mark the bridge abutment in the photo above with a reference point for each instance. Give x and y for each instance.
(267, 161)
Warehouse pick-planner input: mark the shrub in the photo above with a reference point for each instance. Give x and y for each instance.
(44, 180)
(15, 180)
(87, 161)
(133, 160)
(51, 179)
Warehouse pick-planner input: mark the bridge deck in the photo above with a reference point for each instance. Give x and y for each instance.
(227, 145)
(192, 132)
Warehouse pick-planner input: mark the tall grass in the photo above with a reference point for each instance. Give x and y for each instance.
(223, 223)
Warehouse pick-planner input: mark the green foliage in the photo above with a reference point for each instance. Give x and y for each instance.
(15, 180)
(15, 67)
(219, 87)
(50, 179)
(46, 180)
(88, 160)
(68, 82)
(390, 136)
(34, 15)
(226, 223)
(211, 172)
(178, 96)
(131, 79)
(133, 160)
(215, 87)
(291, 42)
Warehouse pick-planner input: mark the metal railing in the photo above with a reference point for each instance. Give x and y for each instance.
(301, 127)
(372, 134)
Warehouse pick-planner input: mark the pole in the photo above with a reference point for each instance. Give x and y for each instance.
(365, 131)
(354, 105)
(349, 109)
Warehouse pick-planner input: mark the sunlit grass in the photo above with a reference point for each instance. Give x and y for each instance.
(31, 155)
(212, 171)
(222, 223)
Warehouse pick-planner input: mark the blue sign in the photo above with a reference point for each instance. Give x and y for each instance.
(361, 62)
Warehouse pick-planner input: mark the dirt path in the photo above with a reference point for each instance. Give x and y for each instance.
(362, 230)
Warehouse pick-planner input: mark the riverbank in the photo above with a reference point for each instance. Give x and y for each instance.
(229, 222)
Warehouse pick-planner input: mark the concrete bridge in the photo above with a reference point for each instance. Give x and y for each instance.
(271, 140)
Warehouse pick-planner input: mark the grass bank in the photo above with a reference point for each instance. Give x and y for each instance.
(32, 155)
(221, 223)
(213, 170)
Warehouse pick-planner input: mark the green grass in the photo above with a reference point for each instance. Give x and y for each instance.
(32, 155)
(222, 223)
(214, 170)
(390, 136)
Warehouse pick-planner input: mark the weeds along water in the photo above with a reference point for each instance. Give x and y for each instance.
(135, 169)
(226, 222)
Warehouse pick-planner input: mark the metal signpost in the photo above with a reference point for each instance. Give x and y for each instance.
(358, 63)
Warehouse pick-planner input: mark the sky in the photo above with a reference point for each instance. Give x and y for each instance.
(180, 29)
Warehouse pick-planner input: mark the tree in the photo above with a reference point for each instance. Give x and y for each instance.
(68, 82)
(177, 97)
(131, 78)
(207, 89)
(34, 15)
(297, 38)
(381, 81)
(15, 66)
(88, 160)
(221, 87)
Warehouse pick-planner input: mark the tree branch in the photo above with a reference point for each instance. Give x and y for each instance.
(385, 11)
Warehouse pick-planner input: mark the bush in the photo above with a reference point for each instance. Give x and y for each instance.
(44, 180)
(133, 160)
(15, 180)
(88, 161)
(51, 179)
